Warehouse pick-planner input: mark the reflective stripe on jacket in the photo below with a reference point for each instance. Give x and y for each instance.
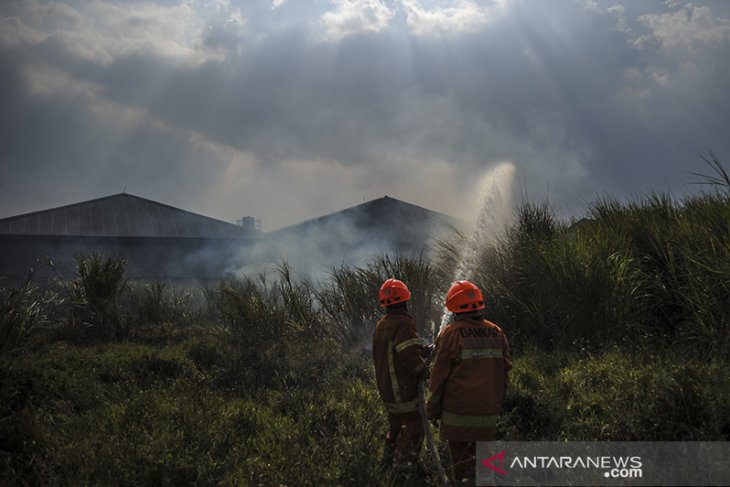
(469, 378)
(398, 361)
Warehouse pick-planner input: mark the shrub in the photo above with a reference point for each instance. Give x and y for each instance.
(97, 290)
(262, 320)
(156, 303)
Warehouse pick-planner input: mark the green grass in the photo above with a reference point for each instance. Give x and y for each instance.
(618, 396)
(130, 414)
(619, 326)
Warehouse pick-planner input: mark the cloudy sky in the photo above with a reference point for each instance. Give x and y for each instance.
(289, 109)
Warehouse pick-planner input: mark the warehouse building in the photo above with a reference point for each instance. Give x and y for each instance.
(159, 241)
(382, 225)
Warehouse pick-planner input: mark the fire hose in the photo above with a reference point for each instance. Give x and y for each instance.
(429, 435)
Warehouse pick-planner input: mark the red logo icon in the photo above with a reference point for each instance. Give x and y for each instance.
(499, 456)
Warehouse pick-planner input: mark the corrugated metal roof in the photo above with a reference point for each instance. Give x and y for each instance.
(386, 213)
(119, 215)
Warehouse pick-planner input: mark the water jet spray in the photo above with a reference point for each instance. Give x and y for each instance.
(487, 221)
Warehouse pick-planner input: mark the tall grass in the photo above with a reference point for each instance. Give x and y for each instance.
(349, 299)
(21, 311)
(157, 303)
(249, 315)
(618, 323)
(654, 269)
(271, 325)
(97, 291)
(720, 180)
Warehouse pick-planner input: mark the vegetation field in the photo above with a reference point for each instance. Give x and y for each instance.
(619, 325)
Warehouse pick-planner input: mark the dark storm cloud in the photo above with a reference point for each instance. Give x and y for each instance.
(239, 101)
(59, 149)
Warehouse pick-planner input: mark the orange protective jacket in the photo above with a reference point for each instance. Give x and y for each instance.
(398, 362)
(469, 378)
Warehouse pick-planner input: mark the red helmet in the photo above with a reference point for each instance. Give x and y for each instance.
(393, 291)
(464, 296)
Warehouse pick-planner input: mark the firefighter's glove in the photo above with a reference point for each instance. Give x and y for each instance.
(435, 423)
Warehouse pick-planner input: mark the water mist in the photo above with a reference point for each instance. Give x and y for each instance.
(487, 221)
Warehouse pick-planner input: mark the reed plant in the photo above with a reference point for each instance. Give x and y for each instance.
(152, 307)
(350, 298)
(630, 274)
(23, 309)
(619, 325)
(96, 292)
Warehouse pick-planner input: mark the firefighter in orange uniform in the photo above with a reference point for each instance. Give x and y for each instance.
(469, 378)
(399, 365)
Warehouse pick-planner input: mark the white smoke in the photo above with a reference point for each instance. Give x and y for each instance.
(311, 250)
